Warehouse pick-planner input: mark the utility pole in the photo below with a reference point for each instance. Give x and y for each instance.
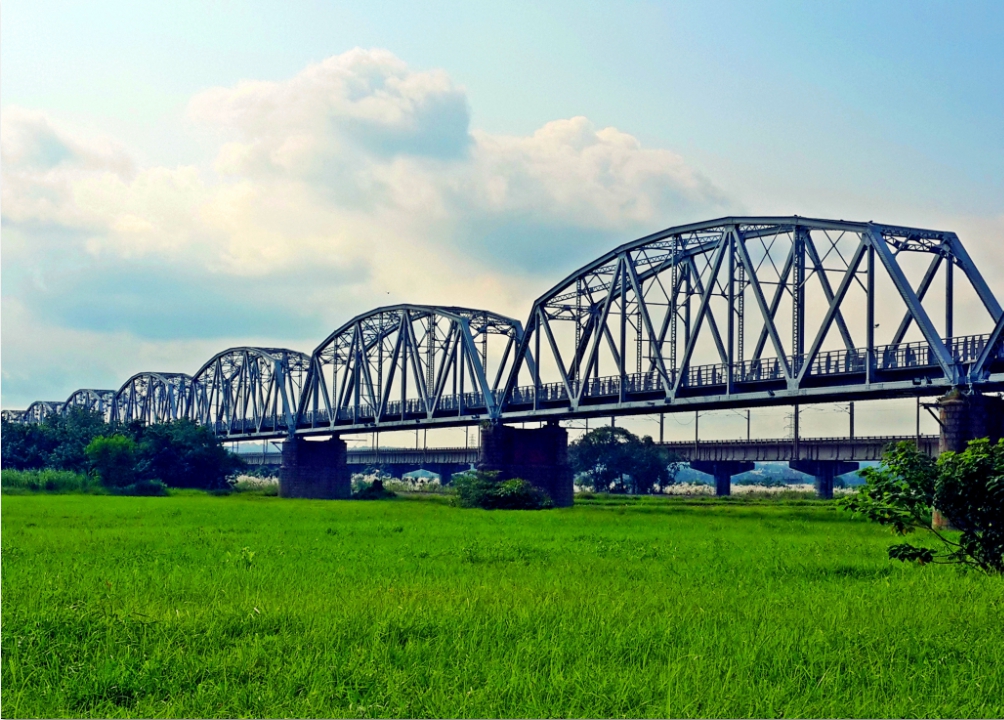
(613, 421)
(795, 429)
(918, 421)
(697, 422)
(852, 418)
(747, 424)
(662, 424)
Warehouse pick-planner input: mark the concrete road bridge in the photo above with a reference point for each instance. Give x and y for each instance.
(729, 313)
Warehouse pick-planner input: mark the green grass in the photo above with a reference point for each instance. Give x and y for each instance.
(246, 605)
(19, 482)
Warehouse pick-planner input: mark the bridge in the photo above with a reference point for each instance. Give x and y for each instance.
(730, 313)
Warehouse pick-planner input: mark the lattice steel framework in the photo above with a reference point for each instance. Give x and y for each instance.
(746, 311)
(247, 391)
(740, 311)
(395, 366)
(101, 401)
(39, 410)
(151, 397)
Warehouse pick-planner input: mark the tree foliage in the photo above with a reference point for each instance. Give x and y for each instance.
(613, 459)
(57, 443)
(113, 459)
(967, 488)
(180, 454)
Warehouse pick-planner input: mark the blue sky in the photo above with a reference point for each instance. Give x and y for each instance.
(137, 180)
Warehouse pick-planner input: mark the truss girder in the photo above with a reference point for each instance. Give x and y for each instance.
(247, 391)
(100, 401)
(151, 397)
(398, 365)
(671, 305)
(660, 322)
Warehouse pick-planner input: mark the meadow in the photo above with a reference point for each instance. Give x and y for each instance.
(198, 605)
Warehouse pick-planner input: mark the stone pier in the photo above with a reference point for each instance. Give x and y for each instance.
(968, 417)
(539, 456)
(723, 470)
(824, 471)
(314, 469)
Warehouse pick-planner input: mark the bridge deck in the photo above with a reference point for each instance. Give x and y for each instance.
(858, 449)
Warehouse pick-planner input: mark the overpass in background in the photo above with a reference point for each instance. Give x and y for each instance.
(730, 313)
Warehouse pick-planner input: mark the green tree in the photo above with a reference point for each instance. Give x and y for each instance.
(113, 458)
(967, 488)
(184, 454)
(613, 459)
(58, 442)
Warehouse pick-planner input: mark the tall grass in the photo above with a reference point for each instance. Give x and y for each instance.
(49, 481)
(248, 605)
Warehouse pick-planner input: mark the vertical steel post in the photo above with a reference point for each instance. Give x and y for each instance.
(870, 316)
(662, 424)
(731, 329)
(747, 424)
(918, 422)
(949, 302)
(674, 301)
(697, 435)
(852, 418)
(798, 300)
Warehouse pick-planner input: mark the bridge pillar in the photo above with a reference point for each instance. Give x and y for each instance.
(964, 418)
(539, 456)
(968, 417)
(824, 471)
(723, 470)
(314, 469)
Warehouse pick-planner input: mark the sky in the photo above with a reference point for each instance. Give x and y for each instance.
(182, 177)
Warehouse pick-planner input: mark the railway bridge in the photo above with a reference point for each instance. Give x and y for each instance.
(730, 313)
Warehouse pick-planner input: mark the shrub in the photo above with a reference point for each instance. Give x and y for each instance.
(255, 484)
(483, 489)
(143, 488)
(967, 488)
(113, 458)
(372, 491)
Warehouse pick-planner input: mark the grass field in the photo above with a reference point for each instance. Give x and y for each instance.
(194, 605)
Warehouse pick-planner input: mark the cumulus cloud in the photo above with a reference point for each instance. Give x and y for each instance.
(355, 183)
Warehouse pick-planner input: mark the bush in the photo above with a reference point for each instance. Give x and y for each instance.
(113, 458)
(255, 484)
(483, 489)
(372, 491)
(967, 488)
(51, 481)
(143, 488)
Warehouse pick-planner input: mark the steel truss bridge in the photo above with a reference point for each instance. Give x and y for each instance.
(735, 312)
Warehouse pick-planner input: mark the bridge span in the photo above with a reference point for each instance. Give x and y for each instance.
(729, 313)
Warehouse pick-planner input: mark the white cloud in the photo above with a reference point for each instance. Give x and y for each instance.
(355, 183)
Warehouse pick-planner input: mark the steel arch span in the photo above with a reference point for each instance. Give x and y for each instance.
(397, 366)
(151, 397)
(752, 311)
(245, 392)
(39, 410)
(101, 401)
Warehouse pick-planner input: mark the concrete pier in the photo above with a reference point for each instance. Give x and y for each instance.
(539, 456)
(824, 471)
(314, 469)
(722, 470)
